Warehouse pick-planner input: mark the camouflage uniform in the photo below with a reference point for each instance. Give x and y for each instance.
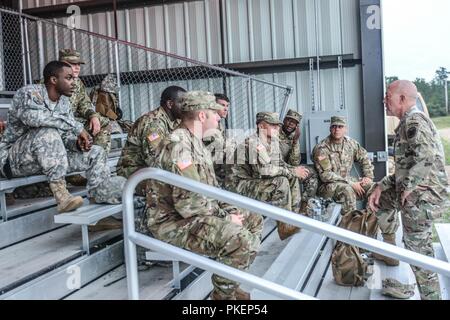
(419, 162)
(290, 152)
(144, 143)
(82, 106)
(261, 174)
(334, 164)
(192, 221)
(41, 138)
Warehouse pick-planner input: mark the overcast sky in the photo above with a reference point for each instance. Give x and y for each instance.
(416, 37)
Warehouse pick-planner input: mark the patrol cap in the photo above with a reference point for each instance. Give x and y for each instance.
(269, 117)
(294, 115)
(338, 121)
(198, 100)
(71, 56)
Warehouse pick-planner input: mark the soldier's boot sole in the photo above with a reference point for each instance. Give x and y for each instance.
(71, 204)
(286, 230)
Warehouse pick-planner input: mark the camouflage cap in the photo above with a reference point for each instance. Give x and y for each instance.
(109, 84)
(294, 115)
(269, 117)
(71, 56)
(338, 121)
(198, 100)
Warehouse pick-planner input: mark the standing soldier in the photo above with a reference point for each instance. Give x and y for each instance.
(419, 185)
(261, 174)
(82, 107)
(290, 151)
(145, 137)
(190, 220)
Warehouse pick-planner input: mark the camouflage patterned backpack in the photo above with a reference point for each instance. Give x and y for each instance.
(348, 264)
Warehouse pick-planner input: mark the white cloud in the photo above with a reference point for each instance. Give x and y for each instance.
(416, 37)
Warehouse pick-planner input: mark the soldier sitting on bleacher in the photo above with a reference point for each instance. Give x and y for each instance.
(43, 137)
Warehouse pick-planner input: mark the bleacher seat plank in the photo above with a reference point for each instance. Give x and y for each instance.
(443, 231)
(444, 282)
(88, 214)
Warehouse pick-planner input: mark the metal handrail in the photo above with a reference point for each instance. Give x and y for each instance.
(131, 237)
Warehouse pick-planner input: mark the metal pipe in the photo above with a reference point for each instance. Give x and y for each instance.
(279, 214)
(287, 97)
(27, 49)
(319, 86)
(22, 42)
(41, 48)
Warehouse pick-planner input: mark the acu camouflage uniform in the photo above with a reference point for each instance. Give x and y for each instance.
(290, 151)
(192, 221)
(41, 138)
(419, 162)
(144, 143)
(261, 174)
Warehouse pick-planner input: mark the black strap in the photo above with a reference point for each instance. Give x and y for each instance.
(7, 169)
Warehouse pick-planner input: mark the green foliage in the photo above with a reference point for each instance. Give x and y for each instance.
(433, 92)
(446, 145)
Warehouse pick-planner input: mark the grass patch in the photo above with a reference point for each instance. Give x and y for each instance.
(446, 145)
(442, 122)
(444, 219)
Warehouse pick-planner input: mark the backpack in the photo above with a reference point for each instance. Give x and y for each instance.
(348, 265)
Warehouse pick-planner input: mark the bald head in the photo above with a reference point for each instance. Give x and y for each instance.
(401, 96)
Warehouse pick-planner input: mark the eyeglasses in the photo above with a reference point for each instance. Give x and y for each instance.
(337, 126)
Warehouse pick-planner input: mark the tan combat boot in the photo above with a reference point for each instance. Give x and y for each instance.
(66, 202)
(77, 180)
(108, 223)
(217, 295)
(241, 294)
(388, 238)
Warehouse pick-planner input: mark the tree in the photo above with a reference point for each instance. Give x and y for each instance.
(389, 80)
(441, 75)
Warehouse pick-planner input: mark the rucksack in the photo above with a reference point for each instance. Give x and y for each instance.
(349, 266)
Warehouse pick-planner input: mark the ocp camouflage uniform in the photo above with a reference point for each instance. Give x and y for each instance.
(83, 111)
(419, 162)
(290, 152)
(221, 148)
(192, 221)
(41, 138)
(144, 143)
(261, 174)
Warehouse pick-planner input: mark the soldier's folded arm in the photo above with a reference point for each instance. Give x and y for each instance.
(419, 136)
(152, 136)
(324, 168)
(37, 117)
(387, 182)
(295, 157)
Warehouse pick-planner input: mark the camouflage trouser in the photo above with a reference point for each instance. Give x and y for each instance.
(344, 194)
(103, 138)
(280, 191)
(42, 151)
(218, 238)
(310, 184)
(417, 219)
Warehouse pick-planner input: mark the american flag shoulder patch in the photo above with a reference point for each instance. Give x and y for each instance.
(184, 164)
(152, 137)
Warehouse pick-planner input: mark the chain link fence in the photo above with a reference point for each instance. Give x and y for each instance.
(143, 72)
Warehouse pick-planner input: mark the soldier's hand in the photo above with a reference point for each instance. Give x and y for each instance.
(302, 172)
(297, 134)
(374, 199)
(94, 126)
(237, 218)
(405, 195)
(358, 189)
(366, 181)
(84, 141)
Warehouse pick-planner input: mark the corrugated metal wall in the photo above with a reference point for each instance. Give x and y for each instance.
(254, 30)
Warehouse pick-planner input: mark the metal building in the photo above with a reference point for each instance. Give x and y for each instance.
(324, 49)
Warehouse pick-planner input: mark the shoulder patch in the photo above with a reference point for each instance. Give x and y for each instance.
(184, 164)
(153, 137)
(37, 98)
(260, 148)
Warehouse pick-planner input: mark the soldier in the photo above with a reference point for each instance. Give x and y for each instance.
(419, 185)
(218, 144)
(290, 150)
(334, 158)
(144, 140)
(190, 220)
(261, 174)
(43, 137)
(82, 106)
